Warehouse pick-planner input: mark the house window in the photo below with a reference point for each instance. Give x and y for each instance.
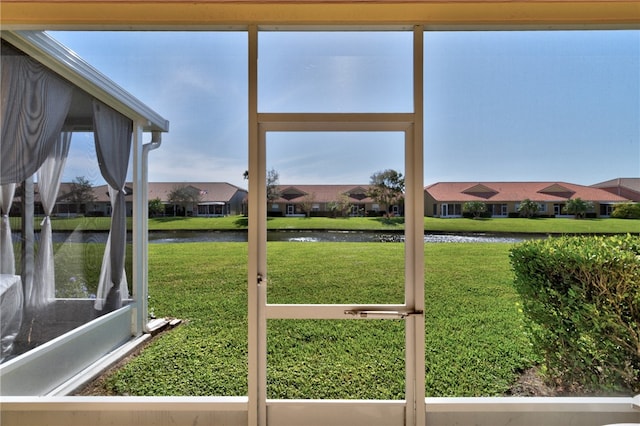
(451, 210)
(497, 209)
(606, 209)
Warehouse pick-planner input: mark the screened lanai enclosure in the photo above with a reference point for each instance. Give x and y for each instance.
(64, 304)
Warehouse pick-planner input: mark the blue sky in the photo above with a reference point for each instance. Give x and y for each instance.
(518, 106)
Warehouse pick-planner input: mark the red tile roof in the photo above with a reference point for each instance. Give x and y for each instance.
(210, 191)
(323, 193)
(625, 187)
(629, 183)
(517, 191)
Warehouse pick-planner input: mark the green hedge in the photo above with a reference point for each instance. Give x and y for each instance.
(581, 297)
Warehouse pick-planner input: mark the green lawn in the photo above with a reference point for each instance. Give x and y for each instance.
(475, 345)
(474, 342)
(536, 226)
(501, 225)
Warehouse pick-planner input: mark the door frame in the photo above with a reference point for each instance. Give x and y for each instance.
(411, 124)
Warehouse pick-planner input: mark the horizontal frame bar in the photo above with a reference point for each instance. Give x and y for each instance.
(308, 122)
(310, 311)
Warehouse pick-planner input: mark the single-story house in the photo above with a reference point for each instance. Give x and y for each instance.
(446, 199)
(625, 187)
(73, 201)
(325, 200)
(210, 198)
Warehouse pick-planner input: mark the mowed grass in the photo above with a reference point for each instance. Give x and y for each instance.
(535, 226)
(474, 342)
(493, 225)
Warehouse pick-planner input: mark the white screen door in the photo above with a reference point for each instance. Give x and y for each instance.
(267, 316)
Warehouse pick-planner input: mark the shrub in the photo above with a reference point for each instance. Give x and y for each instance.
(474, 209)
(581, 297)
(578, 207)
(626, 211)
(528, 208)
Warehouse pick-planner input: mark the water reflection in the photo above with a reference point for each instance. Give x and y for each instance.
(324, 236)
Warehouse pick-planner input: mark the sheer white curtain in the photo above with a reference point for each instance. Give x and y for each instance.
(105, 281)
(35, 103)
(33, 107)
(41, 290)
(7, 258)
(112, 133)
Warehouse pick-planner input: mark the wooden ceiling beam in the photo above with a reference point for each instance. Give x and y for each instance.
(237, 14)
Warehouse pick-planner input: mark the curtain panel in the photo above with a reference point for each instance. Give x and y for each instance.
(34, 105)
(41, 291)
(113, 134)
(7, 258)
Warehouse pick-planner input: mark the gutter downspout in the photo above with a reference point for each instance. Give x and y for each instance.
(156, 141)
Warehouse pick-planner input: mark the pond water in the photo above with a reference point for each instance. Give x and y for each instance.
(167, 237)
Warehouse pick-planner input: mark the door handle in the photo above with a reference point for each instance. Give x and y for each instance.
(371, 314)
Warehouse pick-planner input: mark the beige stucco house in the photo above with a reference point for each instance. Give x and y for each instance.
(214, 199)
(321, 200)
(446, 199)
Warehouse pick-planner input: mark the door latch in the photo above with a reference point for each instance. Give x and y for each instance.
(371, 314)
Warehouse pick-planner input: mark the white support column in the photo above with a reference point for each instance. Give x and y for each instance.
(256, 279)
(139, 230)
(415, 190)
